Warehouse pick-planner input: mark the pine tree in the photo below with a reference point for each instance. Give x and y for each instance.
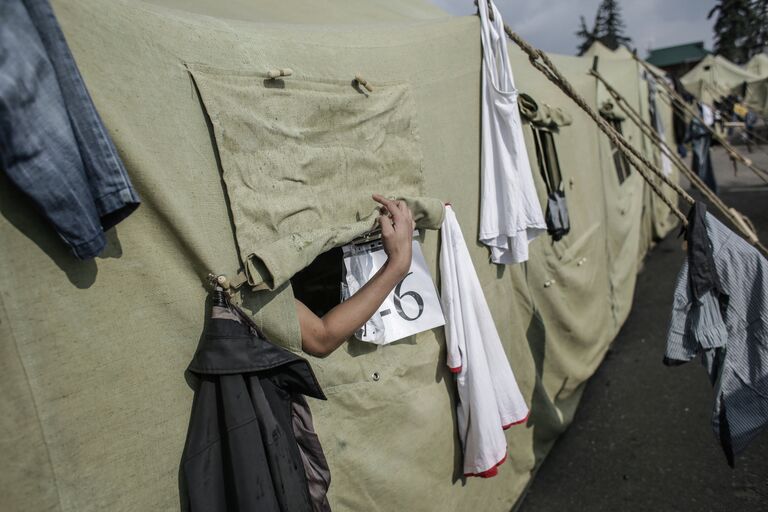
(760, 25)
(608, 28)
(587, 36)
(612, 29)
(739, 28)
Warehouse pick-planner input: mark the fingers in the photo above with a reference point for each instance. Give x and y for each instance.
(387, 203)
(385, 223)
(398, 210)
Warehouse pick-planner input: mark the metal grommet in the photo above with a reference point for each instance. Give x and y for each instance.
(375, 376)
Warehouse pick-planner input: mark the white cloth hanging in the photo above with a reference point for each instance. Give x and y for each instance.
(658, 124)
(707, 115)
(489, 397)
(510, 213)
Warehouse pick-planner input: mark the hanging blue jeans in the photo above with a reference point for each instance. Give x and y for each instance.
(53, 145)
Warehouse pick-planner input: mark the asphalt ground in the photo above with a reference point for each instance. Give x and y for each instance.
(641, 439)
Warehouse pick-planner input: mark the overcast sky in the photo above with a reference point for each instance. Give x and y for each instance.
(551, 24)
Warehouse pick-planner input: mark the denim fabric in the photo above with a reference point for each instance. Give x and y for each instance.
(701, 140)
(53, 145)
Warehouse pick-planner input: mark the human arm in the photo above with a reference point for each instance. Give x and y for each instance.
(322, 335)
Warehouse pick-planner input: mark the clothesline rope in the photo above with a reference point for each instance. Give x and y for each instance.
(541, 61)
(762, 173)
(754, 135)
(735, 156)
(697, 182)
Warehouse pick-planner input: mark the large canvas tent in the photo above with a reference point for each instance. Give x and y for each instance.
(714, 77)
(758, 65)
(95, 404)
(756, 91)
(756, 96)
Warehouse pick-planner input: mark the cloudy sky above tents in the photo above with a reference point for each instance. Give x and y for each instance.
(551, 24)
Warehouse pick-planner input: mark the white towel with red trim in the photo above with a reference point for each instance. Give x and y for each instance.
(489, 397)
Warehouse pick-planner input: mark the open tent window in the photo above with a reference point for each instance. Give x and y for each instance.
(620, 162)
(318, 286)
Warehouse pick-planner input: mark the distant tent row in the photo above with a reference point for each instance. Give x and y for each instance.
(92, 354)
(716, 77)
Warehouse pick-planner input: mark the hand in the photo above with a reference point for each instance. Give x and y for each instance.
(397, 225)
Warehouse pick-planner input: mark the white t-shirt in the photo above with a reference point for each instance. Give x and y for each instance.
(489, 398)
(510, 213)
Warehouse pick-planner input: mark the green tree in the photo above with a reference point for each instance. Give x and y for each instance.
(761, 25)
(612, 34)
(586, 35)
(740, 28)
(608, 28)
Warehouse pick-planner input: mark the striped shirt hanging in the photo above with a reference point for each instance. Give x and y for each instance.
(728, 326)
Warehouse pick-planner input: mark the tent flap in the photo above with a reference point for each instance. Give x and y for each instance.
(286, 162)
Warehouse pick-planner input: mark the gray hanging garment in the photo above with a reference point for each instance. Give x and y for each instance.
(556, 217)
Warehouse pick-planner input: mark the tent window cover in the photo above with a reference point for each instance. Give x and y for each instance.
(546, 154)
(619, 159)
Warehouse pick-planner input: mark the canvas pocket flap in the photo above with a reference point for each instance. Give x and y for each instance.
(300, 159)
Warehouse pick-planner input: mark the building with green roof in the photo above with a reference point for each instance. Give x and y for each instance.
(678, 60)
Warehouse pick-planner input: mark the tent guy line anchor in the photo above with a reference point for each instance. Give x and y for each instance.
(278, 72)
(363, 83)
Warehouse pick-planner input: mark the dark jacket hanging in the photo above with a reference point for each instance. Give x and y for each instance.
(250, 444)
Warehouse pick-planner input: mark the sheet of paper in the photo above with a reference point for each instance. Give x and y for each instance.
(412, 307)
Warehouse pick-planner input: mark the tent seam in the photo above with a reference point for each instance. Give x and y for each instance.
(34, 405)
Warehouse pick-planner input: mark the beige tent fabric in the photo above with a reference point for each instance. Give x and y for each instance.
(285, 162)
(93, 353)
(756, 97)
(758, 65)
(715, 76)
(626, 200)
(315, 12)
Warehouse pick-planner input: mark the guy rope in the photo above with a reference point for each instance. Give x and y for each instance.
(541, 61)
(676, 98)
(736, 217)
